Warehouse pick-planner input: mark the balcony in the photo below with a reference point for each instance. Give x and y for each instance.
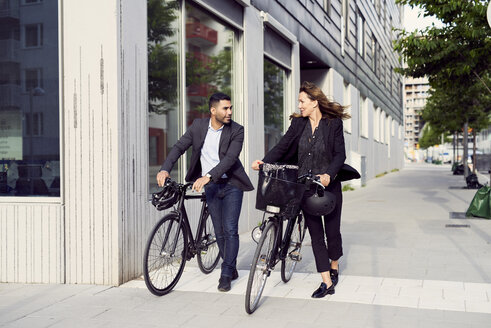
(10, 95)
(9, 50)
(201, 90)
(202, 58)
(200, 34)
(9, 11)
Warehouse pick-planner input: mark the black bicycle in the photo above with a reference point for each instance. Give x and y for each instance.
(171, 242)
(282, 199)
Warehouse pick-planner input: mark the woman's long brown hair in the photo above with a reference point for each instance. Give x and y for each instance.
(329, 109)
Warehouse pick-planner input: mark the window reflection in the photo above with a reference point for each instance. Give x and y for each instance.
(29, 99)
(274, 103)
(208, 61)
(163, 84)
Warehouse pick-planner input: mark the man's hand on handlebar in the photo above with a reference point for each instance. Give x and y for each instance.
(161, 177)
(200, 183)
(255, 164)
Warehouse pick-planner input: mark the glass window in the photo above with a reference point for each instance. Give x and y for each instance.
(347, 102)
(163, 84)
(361, 35)
(327, 6)
(209, 59)
(363, 116)
(33, 35)
(29, 104)
(274, 103)
(27, 2)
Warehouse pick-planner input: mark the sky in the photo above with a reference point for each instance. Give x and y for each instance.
(412, 21)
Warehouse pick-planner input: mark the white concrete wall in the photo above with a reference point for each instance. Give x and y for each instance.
(92, 82)
(32, 243)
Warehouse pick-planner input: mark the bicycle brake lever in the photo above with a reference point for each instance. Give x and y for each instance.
(317, 182)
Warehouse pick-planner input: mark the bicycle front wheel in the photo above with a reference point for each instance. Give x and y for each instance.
(293, 255)
(260, 269)
(165, 255)
(208, 252)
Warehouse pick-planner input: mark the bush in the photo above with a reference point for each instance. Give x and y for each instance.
(348, 187)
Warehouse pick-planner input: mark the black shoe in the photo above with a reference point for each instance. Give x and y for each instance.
(235, 275)
(334, 276)
(323, 291)
(224, 284)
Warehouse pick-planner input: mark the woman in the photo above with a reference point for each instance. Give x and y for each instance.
(315, 142)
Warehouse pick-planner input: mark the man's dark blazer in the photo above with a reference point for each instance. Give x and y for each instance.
(286, 151)
(229, 149)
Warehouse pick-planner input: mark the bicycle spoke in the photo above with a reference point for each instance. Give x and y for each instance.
(261, 267)
(162, 265)
(208, 252)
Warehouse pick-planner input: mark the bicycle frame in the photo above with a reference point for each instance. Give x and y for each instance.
(282, 241)
(180, 210)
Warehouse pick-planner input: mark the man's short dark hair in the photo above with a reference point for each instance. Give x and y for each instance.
(215, 99)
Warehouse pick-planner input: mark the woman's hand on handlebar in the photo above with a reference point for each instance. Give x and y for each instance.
(255, 164)
(325, 179)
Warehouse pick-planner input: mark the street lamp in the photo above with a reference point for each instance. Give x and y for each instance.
(33, 92)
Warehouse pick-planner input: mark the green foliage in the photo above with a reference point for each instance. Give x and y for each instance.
(162, 55)
(348, 187)
(381, 174)
(456, 60)
(217, 73)
(394, 170)
(163, 62)
(273, 94)
(431, 136)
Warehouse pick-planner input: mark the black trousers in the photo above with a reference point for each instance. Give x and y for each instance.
(325, 232)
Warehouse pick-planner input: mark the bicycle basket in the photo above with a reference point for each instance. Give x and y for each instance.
(279, 195)
(167, 197)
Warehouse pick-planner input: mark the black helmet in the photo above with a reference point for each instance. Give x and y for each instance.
(167, 197)
(322, 202)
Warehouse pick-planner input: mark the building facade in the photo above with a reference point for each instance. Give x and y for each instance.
(415, 97)
(92, 101)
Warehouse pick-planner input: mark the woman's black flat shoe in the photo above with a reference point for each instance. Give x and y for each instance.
(334, 276)
(323, 291)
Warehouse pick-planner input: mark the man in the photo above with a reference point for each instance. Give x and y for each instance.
(215, 165)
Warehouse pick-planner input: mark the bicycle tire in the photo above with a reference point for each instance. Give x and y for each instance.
(288, 264)
(161, 270)
(207, 250)
(260, 268)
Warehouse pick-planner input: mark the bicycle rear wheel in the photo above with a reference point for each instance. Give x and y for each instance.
(163, 266)
(208, 252)
(293, 255)
(260, 268)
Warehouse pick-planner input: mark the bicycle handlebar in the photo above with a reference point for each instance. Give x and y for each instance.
(312, 178)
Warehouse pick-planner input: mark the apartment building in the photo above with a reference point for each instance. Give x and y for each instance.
(415, 96)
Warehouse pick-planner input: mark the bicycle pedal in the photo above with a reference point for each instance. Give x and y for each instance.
(296, 256)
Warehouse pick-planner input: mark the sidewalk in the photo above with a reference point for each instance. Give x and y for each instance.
(406, 263)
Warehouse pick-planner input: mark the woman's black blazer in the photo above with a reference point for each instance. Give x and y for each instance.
(286, 151)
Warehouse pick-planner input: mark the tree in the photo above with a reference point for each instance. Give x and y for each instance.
(162, 56)
(457, 52)
(456, 60)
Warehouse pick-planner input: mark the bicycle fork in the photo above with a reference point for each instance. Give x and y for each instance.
(166, 238)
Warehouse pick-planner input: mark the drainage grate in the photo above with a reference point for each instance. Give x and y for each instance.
(461, 215)
(457, 187)
(457, 215)
(457, 226)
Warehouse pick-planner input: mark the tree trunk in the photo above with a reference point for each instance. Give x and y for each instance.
(454, 142)
(474, 156)
(464, 156)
